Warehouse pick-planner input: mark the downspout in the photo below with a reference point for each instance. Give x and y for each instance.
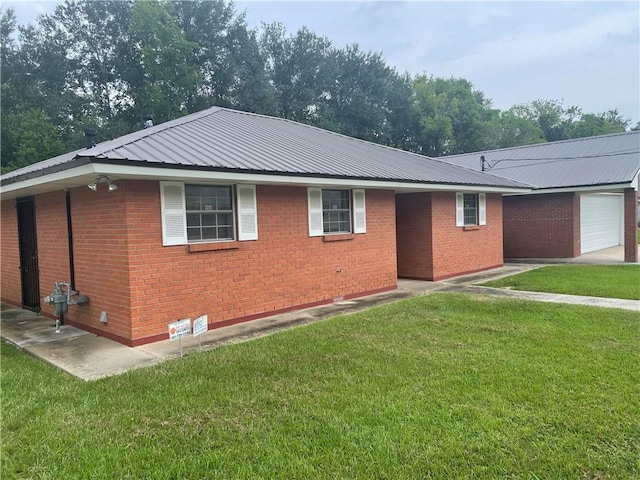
(72, 274)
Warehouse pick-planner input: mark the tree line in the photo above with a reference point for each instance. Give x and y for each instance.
(107, 64)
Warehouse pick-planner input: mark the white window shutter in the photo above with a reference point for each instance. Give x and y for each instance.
(314, 197)
(174, 225)
(459, 210)
(359, 212)
(247, 213)
(482, 208)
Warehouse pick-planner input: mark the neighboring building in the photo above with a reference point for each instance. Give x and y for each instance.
(584, 197)
(237, 216)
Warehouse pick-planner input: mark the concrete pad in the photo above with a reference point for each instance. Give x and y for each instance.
(91, 357)
(606, 256)
(633, 305)
(75, 351)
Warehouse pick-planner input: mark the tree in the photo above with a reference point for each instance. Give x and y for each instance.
(37, 139)
(362, 96)
(228, 58)
(161, 78)
(449, 116)
(300, 68)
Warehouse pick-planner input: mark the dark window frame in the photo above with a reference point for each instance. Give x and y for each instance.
(334, 214)
(470, 209)
(210, 224)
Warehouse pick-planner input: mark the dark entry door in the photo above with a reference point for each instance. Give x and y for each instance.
(29, 274)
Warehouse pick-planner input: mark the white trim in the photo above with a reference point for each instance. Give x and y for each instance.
(314, 208)
(359, 211)
(590, 188)
(117, 172)
(482, 209)
(172, 206)
(247, 212)
(459, 209)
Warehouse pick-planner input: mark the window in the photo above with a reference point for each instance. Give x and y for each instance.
(194, 213)
(471, 209)
(209, 212)
(336, 211)
(333, 211)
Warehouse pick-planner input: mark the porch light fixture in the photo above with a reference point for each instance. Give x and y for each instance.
(102, 179)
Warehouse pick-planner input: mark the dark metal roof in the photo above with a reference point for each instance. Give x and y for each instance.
(601, 160)
(223, 139)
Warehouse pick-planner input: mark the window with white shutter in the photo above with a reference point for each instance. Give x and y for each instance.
(471, 209)
(199, 213)
(331, 211)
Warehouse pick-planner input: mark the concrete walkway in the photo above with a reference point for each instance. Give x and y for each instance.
(90, 357)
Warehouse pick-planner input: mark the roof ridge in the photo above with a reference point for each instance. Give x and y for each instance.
(556, 142)
(161, 127)
(414, 155)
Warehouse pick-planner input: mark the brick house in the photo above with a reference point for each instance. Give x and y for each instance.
(237, 216)
(584, 195)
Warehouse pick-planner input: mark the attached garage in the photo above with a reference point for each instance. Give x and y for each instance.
(601, 221)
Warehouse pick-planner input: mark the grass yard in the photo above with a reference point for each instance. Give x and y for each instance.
(610, 281)
(441, 386)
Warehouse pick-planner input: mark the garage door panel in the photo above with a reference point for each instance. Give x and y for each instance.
(600, 217)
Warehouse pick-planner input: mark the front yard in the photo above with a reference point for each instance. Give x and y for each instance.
(609, 281)
(441, 386)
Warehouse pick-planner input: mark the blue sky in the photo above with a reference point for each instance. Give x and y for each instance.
(583, 53)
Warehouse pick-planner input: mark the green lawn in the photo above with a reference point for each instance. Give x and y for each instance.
(610, 281)
(441, 386)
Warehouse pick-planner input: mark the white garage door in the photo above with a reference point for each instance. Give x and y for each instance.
(600, 221)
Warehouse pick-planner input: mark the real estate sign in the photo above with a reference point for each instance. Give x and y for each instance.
(200, 325)
(179, 329)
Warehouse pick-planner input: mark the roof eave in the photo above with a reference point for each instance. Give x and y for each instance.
(82, 169)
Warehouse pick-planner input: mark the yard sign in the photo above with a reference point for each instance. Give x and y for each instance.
(200, 325)
(179, 329)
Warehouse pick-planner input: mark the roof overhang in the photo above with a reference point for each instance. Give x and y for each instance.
(85, 173)
(612, 187)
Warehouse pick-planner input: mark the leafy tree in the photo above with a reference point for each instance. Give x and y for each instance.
(449, 116)
(161, 78)
(228, 58)
(299, 68)
(37, 139)
(363, 96)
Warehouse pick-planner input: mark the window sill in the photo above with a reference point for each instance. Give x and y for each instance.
(468, 228)
(212, 247)
(342, 237)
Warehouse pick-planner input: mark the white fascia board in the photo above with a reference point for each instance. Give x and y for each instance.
(126, 171)
(72, 177)
(590, 188)
(41, 180)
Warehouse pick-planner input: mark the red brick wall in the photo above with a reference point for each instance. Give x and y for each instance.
(459, 250)
(10, 255)
(413, 231)
(101, 258)
(542, 226)
(282, 269)
(431, 247)
(630, 225)
(53, 245)
(121, 265)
